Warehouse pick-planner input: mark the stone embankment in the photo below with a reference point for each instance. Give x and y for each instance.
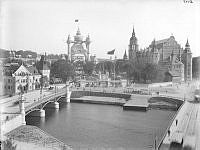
(78, 94)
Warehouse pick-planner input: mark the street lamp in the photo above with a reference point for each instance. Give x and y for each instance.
(41, 83)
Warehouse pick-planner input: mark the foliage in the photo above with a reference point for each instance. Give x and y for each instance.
(106, 66)
(149, 72)
(8, 145)
(88, 68)
(138, 72)
(62, 69)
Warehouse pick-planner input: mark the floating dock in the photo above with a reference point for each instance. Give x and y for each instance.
(139, 103)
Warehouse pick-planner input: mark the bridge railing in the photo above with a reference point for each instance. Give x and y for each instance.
(45, 99)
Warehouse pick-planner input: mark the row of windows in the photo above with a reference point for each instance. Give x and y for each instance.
(8, 87)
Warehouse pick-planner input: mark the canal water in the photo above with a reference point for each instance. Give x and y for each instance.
(96, 126)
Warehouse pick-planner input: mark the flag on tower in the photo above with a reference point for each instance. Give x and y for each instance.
(111, 52)
(76, 20)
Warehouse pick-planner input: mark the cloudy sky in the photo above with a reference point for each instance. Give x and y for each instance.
(43, 25)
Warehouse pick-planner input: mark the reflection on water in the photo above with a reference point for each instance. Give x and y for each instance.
(107, 126)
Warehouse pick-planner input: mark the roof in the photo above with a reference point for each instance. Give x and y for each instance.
(164, 40)
(33, 70)
(174, 73)
(161, 41)
(10, 69)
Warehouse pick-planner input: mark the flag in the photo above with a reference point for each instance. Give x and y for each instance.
(76, 20)
(111, 52)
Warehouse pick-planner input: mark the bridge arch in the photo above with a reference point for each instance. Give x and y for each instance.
(52, 101)
(32, 110)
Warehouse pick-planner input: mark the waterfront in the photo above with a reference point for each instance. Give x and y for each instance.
(96, 126)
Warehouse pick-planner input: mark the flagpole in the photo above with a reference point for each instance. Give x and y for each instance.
(114, 71)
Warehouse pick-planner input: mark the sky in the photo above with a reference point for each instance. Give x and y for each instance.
(44, 25)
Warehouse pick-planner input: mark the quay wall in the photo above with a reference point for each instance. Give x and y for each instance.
(160, 84)
(176, 103)
(78, 94)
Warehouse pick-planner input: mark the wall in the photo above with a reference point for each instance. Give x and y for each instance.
(76, 94)
(160, 84)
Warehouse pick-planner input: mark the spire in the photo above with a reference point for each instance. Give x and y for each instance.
(187, 47)
(133, 33)
(153, 45)
(69, 39)
(125, 56)
(187, 44)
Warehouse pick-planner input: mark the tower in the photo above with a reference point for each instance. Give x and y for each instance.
(187, 61)
(125, 56)
(133, 46)
(155, 54)
(80, 49)
(87, 43)
(68, 47)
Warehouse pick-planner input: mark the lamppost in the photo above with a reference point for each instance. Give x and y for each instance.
(114, 70)
(41, 83)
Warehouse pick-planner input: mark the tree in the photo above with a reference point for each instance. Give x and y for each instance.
(62, 69)
(88, 68)
(105, 66)
(150, 72)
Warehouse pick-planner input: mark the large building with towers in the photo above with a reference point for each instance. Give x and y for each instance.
(78, 49)
(174, 61)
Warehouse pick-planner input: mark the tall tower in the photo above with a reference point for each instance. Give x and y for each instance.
(68, 47)
(133, 46)
(87, 43)
(187, 61)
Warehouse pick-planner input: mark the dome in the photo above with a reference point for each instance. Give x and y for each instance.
(78, 38)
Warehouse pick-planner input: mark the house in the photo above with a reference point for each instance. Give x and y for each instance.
(19, 78)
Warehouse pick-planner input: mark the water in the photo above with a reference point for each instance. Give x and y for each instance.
(103, 126)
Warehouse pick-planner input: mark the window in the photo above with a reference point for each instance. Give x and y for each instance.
(9, 80)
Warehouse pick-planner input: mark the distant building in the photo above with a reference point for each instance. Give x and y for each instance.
(196, 67)
(79, 51)
(175, 62)
(43, 68)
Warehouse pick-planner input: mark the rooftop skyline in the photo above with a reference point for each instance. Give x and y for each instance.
(44, 25)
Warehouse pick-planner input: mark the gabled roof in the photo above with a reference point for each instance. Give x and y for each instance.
(23, 69)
